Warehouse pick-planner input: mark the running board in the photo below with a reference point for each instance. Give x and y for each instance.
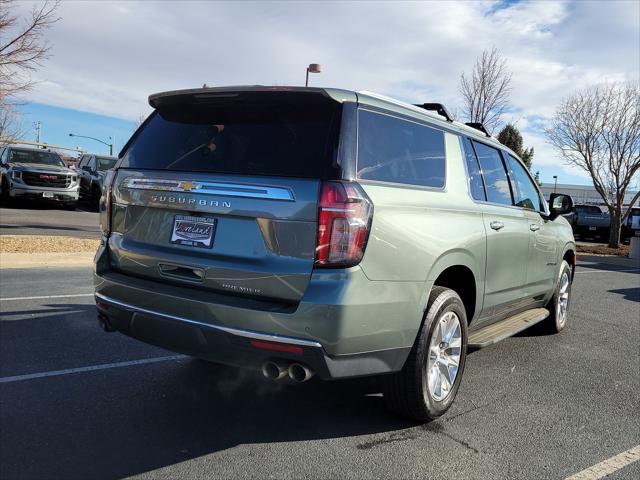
(506, 328)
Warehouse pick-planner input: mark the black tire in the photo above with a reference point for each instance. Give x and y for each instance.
(556, 322)
(406, 392)
(5, 199)
(96, 193)
(70, 206)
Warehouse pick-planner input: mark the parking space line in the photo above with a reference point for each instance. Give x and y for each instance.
(45, 297)
(91, 368)
(608, 466)
(608, 271)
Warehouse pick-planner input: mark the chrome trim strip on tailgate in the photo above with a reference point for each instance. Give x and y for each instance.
(210, 188)
(233, 331)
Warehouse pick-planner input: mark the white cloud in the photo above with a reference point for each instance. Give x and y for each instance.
(108, 56)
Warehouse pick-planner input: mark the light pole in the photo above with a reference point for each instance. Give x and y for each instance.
(37, 125)
(110, 145)
(555, 183)
(312, 68)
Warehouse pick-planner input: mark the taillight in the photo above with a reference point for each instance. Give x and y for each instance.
(105, 203)
(344, 220)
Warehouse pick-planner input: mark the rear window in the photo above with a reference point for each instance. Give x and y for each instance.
(34, 156)
(291, 135)
(105, 163)
(588, 210)
(391, 149)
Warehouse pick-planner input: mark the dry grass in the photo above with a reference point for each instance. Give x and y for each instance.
(46, 244)
(622, 251)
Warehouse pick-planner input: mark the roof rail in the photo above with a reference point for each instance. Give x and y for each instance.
(439, 108)
(478, 126)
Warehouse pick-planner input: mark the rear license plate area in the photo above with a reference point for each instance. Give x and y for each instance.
(593, 228)
(193, 231)
(47, 194)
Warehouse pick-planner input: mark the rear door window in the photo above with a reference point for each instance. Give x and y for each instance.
(526, 193)
(287, 135)
(391, 149)
(588, 210)
(476, 184)
(494, 174)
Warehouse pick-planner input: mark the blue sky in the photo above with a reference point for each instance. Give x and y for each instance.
(58, 122)
(99, 75)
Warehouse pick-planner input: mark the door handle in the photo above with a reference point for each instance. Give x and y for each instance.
(534, 227)
(496, 225)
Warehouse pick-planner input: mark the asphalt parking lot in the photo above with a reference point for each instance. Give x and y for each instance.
(49, 219)
(79, 403)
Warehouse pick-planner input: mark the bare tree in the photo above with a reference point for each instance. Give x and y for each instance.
(23, 47)
(10, 125)
(486, 93)
(598, 130)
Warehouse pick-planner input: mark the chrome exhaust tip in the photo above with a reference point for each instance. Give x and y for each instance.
(274, 370)
(300, 373)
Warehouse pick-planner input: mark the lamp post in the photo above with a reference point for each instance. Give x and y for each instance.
(312, 68)
(37, 125)
(110, 145)
(555, 183)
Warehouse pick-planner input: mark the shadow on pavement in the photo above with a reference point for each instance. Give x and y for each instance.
(632, 294)
(118, 422)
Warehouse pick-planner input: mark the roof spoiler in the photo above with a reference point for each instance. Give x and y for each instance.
(478, 126)
(439, 108)
(206, 94)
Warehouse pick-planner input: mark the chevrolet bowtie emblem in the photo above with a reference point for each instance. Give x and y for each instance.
(188, 186)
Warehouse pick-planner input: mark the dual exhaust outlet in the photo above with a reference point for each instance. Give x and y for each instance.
(297, 372)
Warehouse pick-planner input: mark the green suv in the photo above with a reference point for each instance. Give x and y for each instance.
(308, 231)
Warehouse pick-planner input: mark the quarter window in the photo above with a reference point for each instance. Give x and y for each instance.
(391, 149)
(494, 174)
(525, 192)
(476, 185)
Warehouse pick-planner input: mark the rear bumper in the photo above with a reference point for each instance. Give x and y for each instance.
(238, 347)
(593, 230)
(345, 326)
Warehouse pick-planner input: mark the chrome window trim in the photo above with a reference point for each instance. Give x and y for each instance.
(226, 189)
(233, 331)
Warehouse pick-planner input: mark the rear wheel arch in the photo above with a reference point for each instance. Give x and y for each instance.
(460, 271)
(461, 280)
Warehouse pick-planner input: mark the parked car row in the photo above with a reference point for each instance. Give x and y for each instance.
(41, 174)
(591, 221)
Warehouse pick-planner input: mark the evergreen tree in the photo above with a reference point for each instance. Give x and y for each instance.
(510, 137)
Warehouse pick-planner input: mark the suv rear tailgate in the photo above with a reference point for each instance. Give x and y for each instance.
(219, 190)
(262, 232)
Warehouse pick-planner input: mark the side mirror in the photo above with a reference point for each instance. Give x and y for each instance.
(559, 204)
